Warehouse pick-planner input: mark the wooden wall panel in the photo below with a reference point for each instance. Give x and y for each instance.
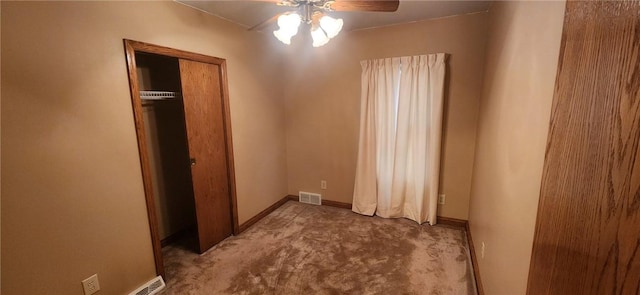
(587, 238)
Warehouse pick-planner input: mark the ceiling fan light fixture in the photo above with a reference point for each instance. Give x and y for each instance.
(319, 37)
(331, 25)
(312, 13)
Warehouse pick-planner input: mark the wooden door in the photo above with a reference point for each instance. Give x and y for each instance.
(587, 238)
(204, 117)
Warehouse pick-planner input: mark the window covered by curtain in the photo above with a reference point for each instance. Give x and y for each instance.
(400, 136)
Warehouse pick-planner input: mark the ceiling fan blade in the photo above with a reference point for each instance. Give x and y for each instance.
(264, 24)
(365, 5)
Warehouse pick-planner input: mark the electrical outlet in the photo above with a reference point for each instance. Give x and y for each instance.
(323, 184)
(91, 285)
(441, 199)
(482, 251)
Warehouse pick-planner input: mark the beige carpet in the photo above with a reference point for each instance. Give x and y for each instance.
(307, 249)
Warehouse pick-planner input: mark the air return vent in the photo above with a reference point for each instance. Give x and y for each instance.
(151, 287)
(310, 198)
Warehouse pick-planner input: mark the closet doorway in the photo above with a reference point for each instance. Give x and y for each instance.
(181, 112)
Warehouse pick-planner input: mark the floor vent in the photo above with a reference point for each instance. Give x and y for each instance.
(310, 198)
(151, 287)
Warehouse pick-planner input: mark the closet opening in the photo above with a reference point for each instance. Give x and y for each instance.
(182, 118)
(167, 148)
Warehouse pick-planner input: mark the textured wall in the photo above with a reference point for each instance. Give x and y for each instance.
(520, 71)
(72, 194)
(322, 94)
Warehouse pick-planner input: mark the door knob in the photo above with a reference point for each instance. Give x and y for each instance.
(192, 161)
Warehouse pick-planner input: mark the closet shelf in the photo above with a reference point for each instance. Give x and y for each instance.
(158, 95)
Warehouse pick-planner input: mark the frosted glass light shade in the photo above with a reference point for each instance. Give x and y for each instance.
(283, 36)
(319, 37)
(288, 24)
(331, 25)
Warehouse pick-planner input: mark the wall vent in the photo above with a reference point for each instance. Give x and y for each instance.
(310, 198)
(151, 287)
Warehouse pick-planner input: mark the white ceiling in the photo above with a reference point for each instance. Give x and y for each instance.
(251, 13)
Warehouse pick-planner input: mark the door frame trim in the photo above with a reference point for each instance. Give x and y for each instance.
(131, 47)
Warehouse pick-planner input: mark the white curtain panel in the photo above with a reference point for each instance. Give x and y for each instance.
(398, 166)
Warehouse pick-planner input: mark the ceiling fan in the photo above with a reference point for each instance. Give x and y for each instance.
(315, 14)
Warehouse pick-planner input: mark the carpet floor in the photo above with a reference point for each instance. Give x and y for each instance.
(307, 249)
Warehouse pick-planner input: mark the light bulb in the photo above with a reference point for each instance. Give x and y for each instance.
(319, 37)
(331, 25)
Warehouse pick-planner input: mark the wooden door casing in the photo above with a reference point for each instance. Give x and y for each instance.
(587, 238)
(204, 117)
(131, 48)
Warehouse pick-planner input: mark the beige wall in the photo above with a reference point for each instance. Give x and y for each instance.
(73, 202)
(522, 57)
(322, 95)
